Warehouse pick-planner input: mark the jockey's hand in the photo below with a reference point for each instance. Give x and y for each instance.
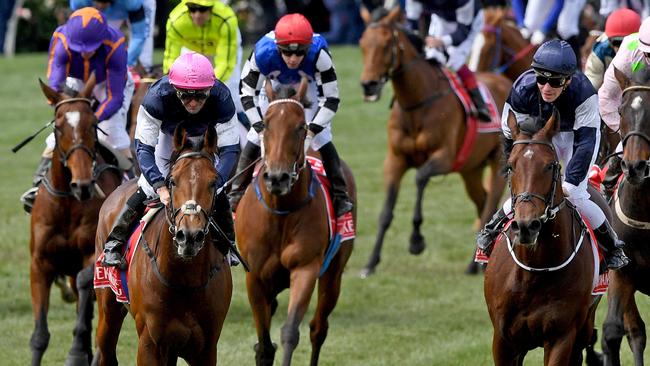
(537, 38)
(163, 192)
(434, 42)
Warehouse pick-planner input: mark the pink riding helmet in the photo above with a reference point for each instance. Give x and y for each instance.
(644, 36)
(191, 71)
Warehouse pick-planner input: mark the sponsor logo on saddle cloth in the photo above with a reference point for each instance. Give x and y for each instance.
(600, 280)
(473, 126)
(113, 277)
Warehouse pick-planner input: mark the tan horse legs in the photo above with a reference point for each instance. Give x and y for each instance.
(41, 282)
(111, 316)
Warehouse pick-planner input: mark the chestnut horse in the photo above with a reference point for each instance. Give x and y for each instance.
(631, 205)
(426, 128)
(282, 231)
(180, 284)
(539, 280)
(500, 47)
(64, 216)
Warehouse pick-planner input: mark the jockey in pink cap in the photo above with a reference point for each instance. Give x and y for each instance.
(190, 95)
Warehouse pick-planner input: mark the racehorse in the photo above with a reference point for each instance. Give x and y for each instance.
(282, 231)
(539, 280)
(180, 283)
(500, 47)
(426, 127)
(64, 215)
(632, 223)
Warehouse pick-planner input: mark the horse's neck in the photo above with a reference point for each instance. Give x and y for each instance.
(59, 176)
(635, 200)
(415, 78)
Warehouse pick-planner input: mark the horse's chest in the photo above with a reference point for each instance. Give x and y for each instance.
(412, 144)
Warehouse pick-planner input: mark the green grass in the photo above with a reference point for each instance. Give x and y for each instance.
(415, 311)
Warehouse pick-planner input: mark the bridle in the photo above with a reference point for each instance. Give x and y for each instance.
(550, 211)
(190, 207)
(65, 155)
(640, 134)
(514, 56)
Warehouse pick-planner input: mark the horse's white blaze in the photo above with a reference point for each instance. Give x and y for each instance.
(73, 118)
(636, 103)
(529, 154)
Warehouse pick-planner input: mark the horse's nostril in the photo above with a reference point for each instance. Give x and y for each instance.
(180, 236)
(514, 226)
(535, 226)
(284, 177)
(199, 237)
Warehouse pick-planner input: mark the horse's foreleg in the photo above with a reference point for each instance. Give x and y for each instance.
(394, 169)
(261, 304)
(618, 295)
(329, 289)
(149, 353)
(560, 351)
(303, 281)
(502, 353)
(80, 352)
(635, 330)
(41, 283)
(474, 187)
(111, 315)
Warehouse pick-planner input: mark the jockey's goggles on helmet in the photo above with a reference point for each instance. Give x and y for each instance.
(293, 49)
(555, 81)
(185, 95)
(616, 41)
(201, 9)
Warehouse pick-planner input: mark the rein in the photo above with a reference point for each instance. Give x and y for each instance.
(515, 56)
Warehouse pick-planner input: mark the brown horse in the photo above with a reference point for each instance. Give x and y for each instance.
(283, 235)
(180, 284)
(426, 128)
(631, 205)
(64, 216)
(501, 47)
(539, 280)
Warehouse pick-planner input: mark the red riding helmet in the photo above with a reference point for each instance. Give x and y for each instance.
(622, 22)
(293, 31)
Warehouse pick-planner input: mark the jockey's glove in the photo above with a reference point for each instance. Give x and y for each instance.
(537, 38)
(525, 32)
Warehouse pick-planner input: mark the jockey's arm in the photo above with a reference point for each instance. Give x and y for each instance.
(227, 138)
(57, 63)
(552, 17)
(146, 139)
(139, 31)
(610, 95)
(595, 70)
(328, 90)
(519, 11)
(252, 81)
(78, 4)
(115, 81)
(225, 57)
(464, 19)
(585, 142)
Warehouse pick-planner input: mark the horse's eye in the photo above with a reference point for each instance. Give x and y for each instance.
(171, 182)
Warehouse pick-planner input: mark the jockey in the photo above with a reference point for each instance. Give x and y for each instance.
(208, 27)
(633, 56)
(620, 23)
(554, 82)
(141, 16)
(454, 25)
(86, 44)
(282, 57)
(536, 18)
(191, 95)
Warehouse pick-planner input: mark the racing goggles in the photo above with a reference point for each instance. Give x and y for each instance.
(185, 95)
(193, 8)
(616, 42)
(293, 49)
(553, 81)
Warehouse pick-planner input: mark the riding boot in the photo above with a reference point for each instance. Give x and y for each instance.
(119, 234)
(611, 246)
(242, 178)
(222, 216)
(29, 197)
(469, 80)
(485, 238)
(332, 164)
(611, 176)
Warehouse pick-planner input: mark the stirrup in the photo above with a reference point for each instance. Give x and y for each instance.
(342, 207)
(232, 259)
(617, 259)
(117, 260)
(28, 198)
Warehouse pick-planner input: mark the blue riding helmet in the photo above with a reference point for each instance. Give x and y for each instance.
(555, 56)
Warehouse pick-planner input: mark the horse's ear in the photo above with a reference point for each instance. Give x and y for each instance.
(268, 88)
(210, 140)
(87, 91)
(180, 137)
(302, 88)
(393, 16)
(622, 79)
(365, 15)
(552, 126)
(52, 95)
(512, 124)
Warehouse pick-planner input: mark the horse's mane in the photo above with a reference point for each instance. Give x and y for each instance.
(286, 92)
(187, 145)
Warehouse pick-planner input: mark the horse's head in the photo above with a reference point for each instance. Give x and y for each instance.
(534, 173)
(380, 49)
(284, 136)
(635, 129)
(192, 184)
(75, 130)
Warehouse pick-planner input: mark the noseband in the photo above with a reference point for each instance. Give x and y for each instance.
(549, 210)
(190, 207)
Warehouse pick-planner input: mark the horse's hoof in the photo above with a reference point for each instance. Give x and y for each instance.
(77, 359)
(472, 268)
(417, 244)
(367, 272)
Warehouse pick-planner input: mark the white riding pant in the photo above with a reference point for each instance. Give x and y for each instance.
(569, 20)
(146, 56)
(115, 127)
(319, 140)
(577, 195)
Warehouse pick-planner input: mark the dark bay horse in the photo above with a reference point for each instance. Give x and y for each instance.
(64, 216)
(426, 127)
(631, 205)
(283, 235)
(500, 47)
(539, 280)
(180, 284)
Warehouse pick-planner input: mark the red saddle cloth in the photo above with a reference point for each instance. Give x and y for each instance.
(474, 127)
